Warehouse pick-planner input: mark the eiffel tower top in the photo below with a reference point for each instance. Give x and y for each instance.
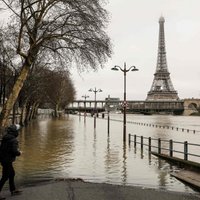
(161, 60)
(162, 87)
(162, 19)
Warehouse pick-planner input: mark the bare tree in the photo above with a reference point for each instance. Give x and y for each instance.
(59, 89)
(64, 32)
(31, 93)
(7, 69)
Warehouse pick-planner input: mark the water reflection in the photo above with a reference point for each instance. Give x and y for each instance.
(112, 162)
(45, 146)
(94, 151)
(149, 157)
(161, 132)
(124, 163)
(71, 147)
(162, 175)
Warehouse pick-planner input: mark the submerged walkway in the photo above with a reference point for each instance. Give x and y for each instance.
(79, 190)
(190, 177)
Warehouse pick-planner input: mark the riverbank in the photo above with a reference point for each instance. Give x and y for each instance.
(71, 189)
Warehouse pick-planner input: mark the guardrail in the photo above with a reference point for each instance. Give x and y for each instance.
(165, 145)
(151, 125)
(165, 127)
(159, 126)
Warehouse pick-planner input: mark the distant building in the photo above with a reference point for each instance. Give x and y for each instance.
(113, 104)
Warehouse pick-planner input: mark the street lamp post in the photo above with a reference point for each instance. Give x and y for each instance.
(108, 107)
(124, 70)
(95, 103)
(85, 97)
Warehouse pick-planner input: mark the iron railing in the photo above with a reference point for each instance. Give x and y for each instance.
(168, 146)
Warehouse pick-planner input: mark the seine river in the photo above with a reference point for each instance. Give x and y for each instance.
(70, 147)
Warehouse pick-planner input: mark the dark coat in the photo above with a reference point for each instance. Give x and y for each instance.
(9, 148)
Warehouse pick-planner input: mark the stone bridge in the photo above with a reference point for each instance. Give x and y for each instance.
(191, 106)
(178, 107)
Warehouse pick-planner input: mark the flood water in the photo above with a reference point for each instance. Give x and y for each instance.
(69, 147)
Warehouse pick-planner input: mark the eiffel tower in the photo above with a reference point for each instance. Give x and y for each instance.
(162, 88)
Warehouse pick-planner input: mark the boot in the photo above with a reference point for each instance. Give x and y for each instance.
(15, 192)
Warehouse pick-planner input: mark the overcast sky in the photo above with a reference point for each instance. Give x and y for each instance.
(134, 30)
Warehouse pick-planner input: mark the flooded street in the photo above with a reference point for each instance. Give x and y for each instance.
(69, 147)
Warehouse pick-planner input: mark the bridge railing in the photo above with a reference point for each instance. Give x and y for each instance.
(168, 147)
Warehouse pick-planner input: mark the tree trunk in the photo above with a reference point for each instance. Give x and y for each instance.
(13, 96)
(35, 110)
(28, 112)
(14, 114)
(56, 111)
(23, 114)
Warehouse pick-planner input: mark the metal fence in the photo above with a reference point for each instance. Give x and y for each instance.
(169, 147)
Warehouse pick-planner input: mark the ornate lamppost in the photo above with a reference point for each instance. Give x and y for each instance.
(95, 102)
(124, 70)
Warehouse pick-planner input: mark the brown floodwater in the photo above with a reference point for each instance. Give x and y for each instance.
(69, 147)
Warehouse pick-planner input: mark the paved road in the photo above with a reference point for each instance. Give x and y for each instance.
(79, 190)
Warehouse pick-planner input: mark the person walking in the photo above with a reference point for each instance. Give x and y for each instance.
(9, 149)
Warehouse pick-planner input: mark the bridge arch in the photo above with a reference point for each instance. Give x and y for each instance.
(191, 106)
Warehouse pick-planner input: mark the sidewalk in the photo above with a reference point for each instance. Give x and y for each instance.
(79, 190)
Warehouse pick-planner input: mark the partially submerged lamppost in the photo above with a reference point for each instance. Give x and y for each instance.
(108, 109)
(124, 70)
(85, 97)
(95, 102)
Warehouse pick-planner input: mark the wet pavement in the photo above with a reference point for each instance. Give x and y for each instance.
(80, 190)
